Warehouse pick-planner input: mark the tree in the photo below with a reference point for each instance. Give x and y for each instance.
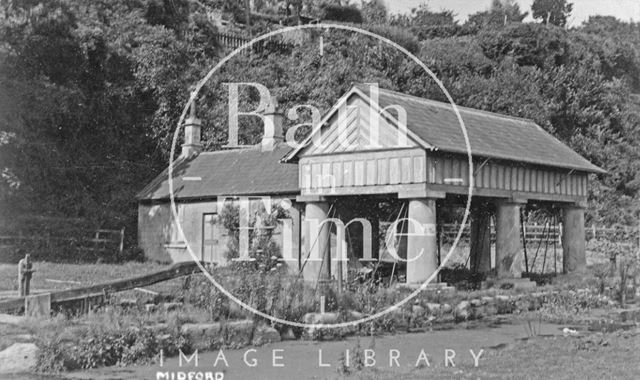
(500, 13)
(374, 12)
(553, 12)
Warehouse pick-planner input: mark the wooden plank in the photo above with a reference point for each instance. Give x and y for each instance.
(394, 171)
(176, 270)
(439, 164)
(371, 174)
(358, 171)
(383, 171)
(348, 173)
(406, 169)
(337, 173)
(418, 169)
(486, 175)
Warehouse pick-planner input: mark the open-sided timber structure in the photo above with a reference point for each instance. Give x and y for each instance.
(416, 156)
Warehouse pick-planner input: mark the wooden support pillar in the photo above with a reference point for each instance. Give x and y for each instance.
(573, 240)
(422, 245)
(509, 260)
(317, 242)
(480, 240)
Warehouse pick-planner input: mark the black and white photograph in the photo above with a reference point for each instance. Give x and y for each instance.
(319, 189)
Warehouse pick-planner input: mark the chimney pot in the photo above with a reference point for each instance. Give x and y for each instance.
(273, 120)
(192, 128)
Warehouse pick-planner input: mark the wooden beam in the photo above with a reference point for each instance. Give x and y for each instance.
(176, 270)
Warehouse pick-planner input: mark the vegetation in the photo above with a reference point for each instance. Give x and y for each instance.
(91, 90)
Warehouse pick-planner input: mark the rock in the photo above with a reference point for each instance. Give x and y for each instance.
(265, 334)
(488, 300)
(159, 328)
(170, 306)
(203, 336)
(434, 308)
(462, 312)
(489, 310)
(238, 333)
(288, 334)
(150, 308)
(504, 305)
(475, 303)
(18, 358)
(128, 302)
(235, 310)
(12, 319)
(417, 310)
(522, 305)
(320, 318)
(38, 306)
(355, 315)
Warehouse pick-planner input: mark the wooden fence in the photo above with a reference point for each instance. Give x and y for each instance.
(233, 42)
(547, 232)
(102, 241)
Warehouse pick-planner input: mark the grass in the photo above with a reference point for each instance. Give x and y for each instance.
(596, 356)
(84, 274)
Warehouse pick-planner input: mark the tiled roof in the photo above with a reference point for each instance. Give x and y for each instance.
(490, 134)
(227, 172)
(252, 171)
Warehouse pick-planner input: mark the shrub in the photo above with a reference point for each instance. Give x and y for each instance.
(341, 13)
(398, 35)
(98, 348)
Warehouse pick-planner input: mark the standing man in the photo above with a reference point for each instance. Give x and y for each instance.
(24, 275)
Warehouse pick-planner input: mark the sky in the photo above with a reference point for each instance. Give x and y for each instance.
(625, 10)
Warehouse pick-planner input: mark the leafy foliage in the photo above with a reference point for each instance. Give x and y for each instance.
(553, 12)
(91, 91)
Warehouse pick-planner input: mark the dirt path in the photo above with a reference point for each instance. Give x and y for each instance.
(300, 359)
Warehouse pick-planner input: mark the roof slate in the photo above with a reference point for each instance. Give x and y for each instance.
(228, 172)
(252, 171)
(490, 134)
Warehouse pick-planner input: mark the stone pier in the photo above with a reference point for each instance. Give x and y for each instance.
(508, 243)
(480, 239)
(573, 239)
(422, 245)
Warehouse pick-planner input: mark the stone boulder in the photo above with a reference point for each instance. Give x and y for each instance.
(288, 334)
(265, 334)
(203, 336)
(504, 304)
(238, 333)
(320, 318)
(462, 311)
(18, 358)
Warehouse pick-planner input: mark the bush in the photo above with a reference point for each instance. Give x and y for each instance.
(341, 13)
(398, 35)
(98, 348)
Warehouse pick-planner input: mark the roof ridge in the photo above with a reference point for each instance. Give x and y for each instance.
(249, 148)
(449, 106)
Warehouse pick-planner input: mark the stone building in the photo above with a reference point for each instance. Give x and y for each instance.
(416, 158)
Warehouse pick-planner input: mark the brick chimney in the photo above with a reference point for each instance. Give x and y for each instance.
(273, 118)
(192, 127)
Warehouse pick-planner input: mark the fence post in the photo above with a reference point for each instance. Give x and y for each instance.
(121, 239)
(560, 233)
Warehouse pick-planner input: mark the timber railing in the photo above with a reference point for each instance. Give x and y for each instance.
(79, 294)
(234, 41)
(551, 233)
